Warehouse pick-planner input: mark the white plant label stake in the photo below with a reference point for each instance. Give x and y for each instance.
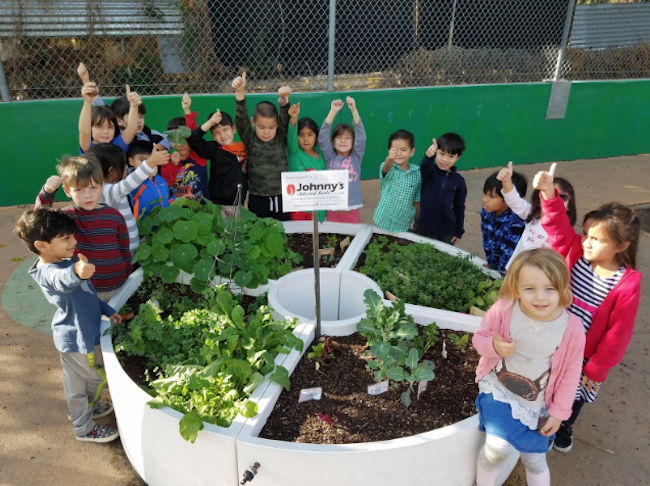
(422, 387)
(308, 394)
(378, 388)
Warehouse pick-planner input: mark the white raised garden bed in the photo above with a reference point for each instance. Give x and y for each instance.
(446, 456)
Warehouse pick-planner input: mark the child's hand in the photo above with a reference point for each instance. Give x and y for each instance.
(284, 92)
(550, 427)
(115, 319)
(294, 111)
(133, 97)
(84, 269)
(352, 104)
(89, 91)
(392, 155)
(337, 105)
(433, 148)
(176, 158)
(215, 119)
(454, 240)
(82, 71)
(187, 103)
(591, 385)
(239, 83)
(503, 349)
(158, 157)
(505, 174)
(544, 182)
(53, 183)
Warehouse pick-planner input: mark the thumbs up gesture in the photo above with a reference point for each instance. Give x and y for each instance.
(133, 97)
(503, 349)
(544, 182)
(239, 83)
(433, 148)
(84, 269)
(505, 176)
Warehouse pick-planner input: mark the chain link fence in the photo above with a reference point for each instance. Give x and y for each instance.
(199, 46)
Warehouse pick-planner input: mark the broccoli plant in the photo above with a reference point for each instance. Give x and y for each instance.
(419, 371)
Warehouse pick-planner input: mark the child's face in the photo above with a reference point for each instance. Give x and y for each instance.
(538, 299)
(493, 203)
(183, 150)
(306, 139)
(404, 152)
(85, 197)
(597, 245)
(224, 134)
(265, 127)
(59, 247)
(445, 160)
(343, 143)
(137, 160)
(104, 132)
(124, 122)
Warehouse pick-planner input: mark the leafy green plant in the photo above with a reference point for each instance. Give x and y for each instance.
(457, 341)
(208, 359)
(178, 136)
(192, 237)
(420, 274)
(429, 337)
(321, 352)
(419, 371)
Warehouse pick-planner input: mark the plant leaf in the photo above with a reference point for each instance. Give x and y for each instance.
(142, 253)
(281, 377)
(190, 425)
(169, 274)
(183, 256)
(396, 373)
(159, 253)
(163, 236)
(412, 359)
(247, 408)
(254, 380)
(202, 269)
(405, 398)
(186, 230)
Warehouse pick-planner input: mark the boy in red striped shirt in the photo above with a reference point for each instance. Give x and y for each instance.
(102, 234)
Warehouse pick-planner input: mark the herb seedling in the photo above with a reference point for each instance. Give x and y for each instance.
(457, 341)
(322, 351)
(429, 337)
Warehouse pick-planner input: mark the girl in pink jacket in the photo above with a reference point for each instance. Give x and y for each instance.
(531, 354)
(605, 286)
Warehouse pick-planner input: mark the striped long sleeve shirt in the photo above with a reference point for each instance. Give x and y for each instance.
(115, 196)
(102, 236)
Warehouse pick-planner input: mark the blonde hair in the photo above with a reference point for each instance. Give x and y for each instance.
(80, 170)
(548, 261)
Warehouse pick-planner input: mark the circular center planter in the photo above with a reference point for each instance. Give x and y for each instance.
(341, 294)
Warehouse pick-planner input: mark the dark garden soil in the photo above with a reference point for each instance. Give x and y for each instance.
(385, 249)
(303, 243)
(360, 417)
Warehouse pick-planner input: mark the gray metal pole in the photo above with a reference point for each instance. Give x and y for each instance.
(565, 38)
(332, 41)
(314, 217)
(451, 25)
(4, 88)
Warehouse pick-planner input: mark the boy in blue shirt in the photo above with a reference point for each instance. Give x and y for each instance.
(501, 228)
(152, 192)
(442, 199)
(64, 280)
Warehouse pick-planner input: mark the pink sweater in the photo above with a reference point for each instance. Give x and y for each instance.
(566, 362)
(612, 324)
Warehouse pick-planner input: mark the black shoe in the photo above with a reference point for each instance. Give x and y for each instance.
(563, 439)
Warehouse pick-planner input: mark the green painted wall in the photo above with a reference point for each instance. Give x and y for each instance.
(499, 123)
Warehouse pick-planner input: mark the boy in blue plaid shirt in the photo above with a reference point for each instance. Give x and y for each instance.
(501, 227)
(399, 202)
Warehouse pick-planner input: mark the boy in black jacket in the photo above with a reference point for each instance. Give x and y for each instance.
(227, 159)
(443, 194)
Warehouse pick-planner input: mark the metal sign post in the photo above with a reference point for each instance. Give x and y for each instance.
(313, 191)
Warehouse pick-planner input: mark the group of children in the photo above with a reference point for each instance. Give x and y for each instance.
(567, 305)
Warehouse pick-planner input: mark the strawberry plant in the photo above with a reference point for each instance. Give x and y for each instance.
(192, 237)
(207, 358)
(420, 274)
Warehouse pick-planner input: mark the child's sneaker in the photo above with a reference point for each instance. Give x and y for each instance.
(100, 434)
(563, 439)
(102, 410)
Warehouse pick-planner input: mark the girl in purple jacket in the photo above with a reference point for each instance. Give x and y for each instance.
(531, 354)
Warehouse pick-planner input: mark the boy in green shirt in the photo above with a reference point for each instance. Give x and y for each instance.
(399, 202)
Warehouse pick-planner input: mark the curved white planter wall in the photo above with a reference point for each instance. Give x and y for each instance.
(342, 305)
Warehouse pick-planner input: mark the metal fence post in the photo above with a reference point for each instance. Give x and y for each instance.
(4, 88)
(565, 38)
(332, 39)
(451, 25)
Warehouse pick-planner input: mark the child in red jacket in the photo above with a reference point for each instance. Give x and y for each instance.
(605, 285)
(531, 351)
